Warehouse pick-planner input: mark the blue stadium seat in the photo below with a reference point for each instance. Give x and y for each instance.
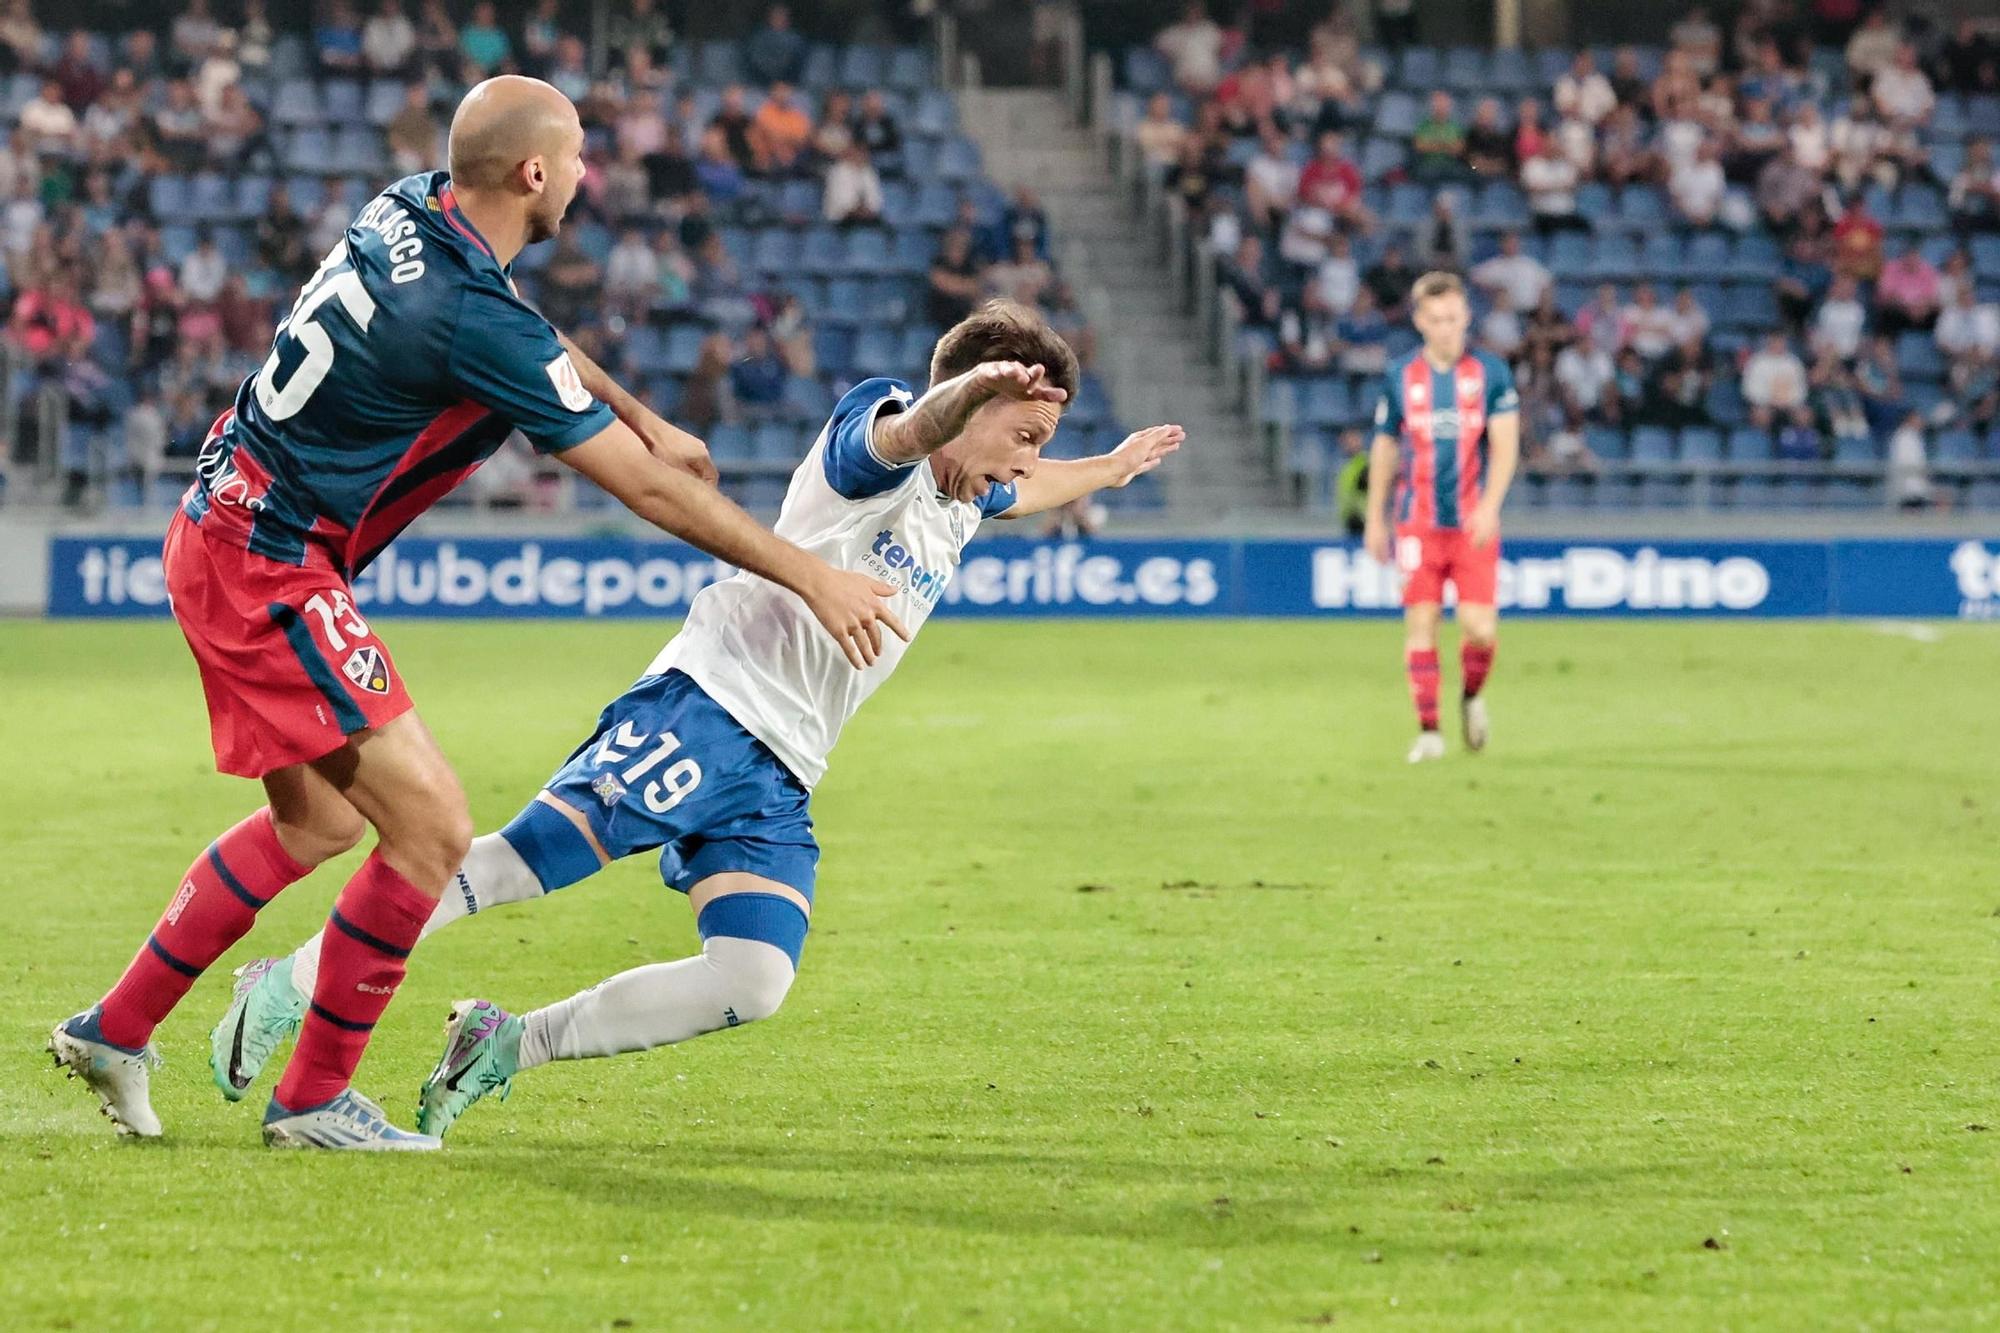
(1748, 444)
(1699, 444)
(683, 348)
(1328, 403)
(957, 160)
(310, 149)
(169, 196)
(385, 99)
(1652, 445)
(1422, 67)
(1465, 70)
(1397, 115)
(774, 443)
(1146, 70)
(1280, 403)
(807, 402)
(1958, 446)
(861, 66)
(729, 445)
(935, 115)
(822, 67)
(1918, 357)
(341, 101)
(912, 250)
(1856, 449)
(822, 251)
(717, 63)
(253, 196)
(1608, 442)
(776, 250)
(296, 103)
(867, 251)
(878, 351)
(909, 68)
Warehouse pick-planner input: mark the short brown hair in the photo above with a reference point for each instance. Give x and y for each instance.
(1005, 331)
(1436, 283)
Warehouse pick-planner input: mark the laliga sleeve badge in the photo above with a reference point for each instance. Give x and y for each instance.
(368, 669)
(608, 788)
(569, 385)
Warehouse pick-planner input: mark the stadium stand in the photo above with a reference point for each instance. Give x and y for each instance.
(765, 222)
(1734, 270)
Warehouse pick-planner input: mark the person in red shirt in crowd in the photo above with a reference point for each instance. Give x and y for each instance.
(1331, 181)
(1857, 242)
(50, 323)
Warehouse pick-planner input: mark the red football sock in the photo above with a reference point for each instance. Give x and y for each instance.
(215, 906)
(375, 923)
(1423, 663)
(1474, 661)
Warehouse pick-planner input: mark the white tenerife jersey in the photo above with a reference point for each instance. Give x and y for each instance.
(757, 650)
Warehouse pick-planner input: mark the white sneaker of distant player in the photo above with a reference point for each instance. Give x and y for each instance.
(1472, 715)
(1429, 745)
(119, 1076)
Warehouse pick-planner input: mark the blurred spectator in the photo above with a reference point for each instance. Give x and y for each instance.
(1965, 63)
(1515, 272)
(1271, 180)
(1698, 187)
(279, 235)
(1026, 219)
(1809, 139)
(254, 37)
(1337, 280)
(757, 379)
(1968, 325)
(876, 130)
(1396, 22)
(1774, 382)
(1974, 381)
(1873, 46)
(1689, 321)
(217, 73)
(483, 41)
(1501, 331)
(705, 398)
(835, 133)
(1681, 385)
(47, 120)
(1549, 179)
(792, 336)
(1331, 181)
(1529, 137)
(1193, 48)
(1902, 91)
(1160, 136)
(717, 172)
(204, 270)
(1390, 278)
(1489, 148)
(1583, 92)
(193, 35)
(542, 31)
(115, 280)
(734, 123)
(954, 287)
(413, 133)
(1653, 325)
(780, 131)
(1803, 278)
(76, 73)
(568, 68)
(50, 323)
(437, 37)
(1604, 323)
(640, 23)
(1698, 39)
(1442, 242)
(631, 274)
(1785, 186)
(1907, 294)
(775, 53)
(1628, 84)
(1247, 280)
(1437, 147)
(1974, 197)
(20, 37)
(1857, 242)
(1023, 276)
(178, 128)
(1909, 465)
(1841, 321)
(337, 41)
(234, 129)
(571, 281)
(1364, 336)
(1584, 373)
(853, 190)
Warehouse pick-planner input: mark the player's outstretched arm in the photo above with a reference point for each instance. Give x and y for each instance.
(935, 419)
(664, 440)
(1382, 460)
(1056, 482)
(852, 607)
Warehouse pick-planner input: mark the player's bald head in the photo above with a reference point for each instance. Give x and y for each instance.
(501, 124)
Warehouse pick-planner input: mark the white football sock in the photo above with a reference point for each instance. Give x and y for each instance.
(493, 874)
(731, 981)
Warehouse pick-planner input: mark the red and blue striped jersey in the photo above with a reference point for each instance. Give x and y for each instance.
(1438, 419)
(402, 366)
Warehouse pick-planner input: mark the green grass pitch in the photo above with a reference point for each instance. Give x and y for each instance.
(1149, 989)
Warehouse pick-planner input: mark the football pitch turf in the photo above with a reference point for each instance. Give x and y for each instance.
(1148, 989)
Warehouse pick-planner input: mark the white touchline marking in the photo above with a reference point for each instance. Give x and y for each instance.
(1915, 633)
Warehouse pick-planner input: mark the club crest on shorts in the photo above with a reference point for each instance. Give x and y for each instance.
(608, 788)
(368, 669)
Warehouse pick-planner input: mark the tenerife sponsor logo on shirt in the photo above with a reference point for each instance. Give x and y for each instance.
(891, 560)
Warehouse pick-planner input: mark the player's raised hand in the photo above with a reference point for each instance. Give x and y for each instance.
(1143, 450)
(1011, 379)
(853, 608)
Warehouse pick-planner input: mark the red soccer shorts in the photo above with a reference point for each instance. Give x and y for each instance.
(1430, 556)
(288, 666)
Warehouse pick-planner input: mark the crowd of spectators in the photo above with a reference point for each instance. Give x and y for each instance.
(146, 348)
(1728, 127)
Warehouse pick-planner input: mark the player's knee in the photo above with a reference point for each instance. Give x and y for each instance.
(756, 975)
(321, 836)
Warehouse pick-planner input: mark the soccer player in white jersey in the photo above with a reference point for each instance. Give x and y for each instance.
(711, 756)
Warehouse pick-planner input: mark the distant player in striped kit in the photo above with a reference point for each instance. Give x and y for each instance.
(1448, 434)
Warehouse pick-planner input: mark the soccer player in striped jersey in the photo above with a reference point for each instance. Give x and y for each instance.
(1448, 434)
(405, 362)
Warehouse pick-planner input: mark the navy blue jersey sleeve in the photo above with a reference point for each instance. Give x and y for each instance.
(506, 357)
(1389, 406)
(1501, 397)
(853, 468)
(998, 499)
